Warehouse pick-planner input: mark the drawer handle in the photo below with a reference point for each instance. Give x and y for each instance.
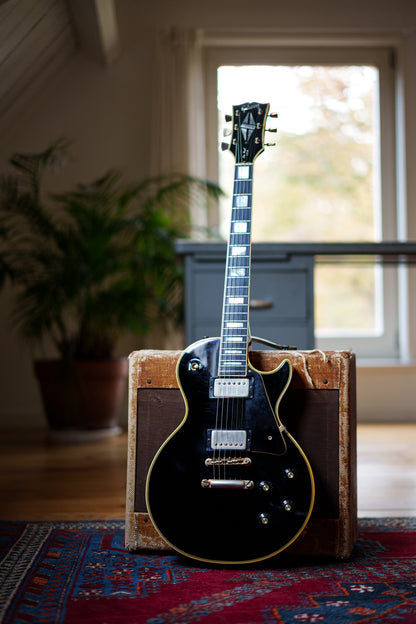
(260, 304)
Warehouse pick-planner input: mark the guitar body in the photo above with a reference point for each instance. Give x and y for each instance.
(231, 485)
(249, 502)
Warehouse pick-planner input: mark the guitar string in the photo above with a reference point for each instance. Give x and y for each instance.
(239, 285)
(243, 293)
(231, 410)
(235, 290)
(240, 289)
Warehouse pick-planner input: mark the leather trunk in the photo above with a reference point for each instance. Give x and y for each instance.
(318, 409)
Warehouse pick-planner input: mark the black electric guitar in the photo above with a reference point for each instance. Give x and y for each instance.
(231, 485)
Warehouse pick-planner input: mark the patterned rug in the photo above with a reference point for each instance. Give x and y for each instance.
(80, 572)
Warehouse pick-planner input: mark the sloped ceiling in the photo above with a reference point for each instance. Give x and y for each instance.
(36, 36)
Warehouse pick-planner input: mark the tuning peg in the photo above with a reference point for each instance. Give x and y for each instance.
(228, 117)
(272, 115)
(270, 144)
(227, 131)
(271, 129)
(224, 146)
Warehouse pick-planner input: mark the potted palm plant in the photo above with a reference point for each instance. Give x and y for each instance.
(87, 266)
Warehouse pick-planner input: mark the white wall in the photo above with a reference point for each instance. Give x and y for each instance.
(105, 112)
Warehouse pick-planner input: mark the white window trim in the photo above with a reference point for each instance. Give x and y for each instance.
(232, 48)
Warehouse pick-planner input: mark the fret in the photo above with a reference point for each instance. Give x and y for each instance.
(236, 292)
(233, 352)
(240, 215)
(232, 341)
(236, 266)
(235, 318)
(231, 306)
(239, 315)
(240, 240)
(232, 360)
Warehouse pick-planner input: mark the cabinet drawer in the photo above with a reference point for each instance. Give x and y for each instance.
(281, 297)
(285, 290)
(275, 293)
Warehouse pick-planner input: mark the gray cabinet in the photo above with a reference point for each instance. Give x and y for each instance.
(281, 302)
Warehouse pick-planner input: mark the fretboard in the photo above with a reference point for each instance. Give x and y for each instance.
(234, 326)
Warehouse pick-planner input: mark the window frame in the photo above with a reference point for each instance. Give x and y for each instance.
(297, 52)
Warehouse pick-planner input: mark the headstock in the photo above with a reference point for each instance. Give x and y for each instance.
(248, 128)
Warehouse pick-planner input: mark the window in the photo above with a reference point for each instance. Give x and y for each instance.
(330, 177)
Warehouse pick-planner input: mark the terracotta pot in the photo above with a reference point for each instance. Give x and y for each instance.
(82, 395)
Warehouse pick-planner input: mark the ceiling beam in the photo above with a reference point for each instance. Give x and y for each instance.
(96, 26)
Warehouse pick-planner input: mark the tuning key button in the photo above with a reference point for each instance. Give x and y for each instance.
(228, 117)
(224, 146)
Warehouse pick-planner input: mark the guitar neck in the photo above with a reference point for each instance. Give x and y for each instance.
(235, 323)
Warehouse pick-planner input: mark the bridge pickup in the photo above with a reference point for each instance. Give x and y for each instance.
(228, 461)
(228, 439)
(228, 484)
(231, 388)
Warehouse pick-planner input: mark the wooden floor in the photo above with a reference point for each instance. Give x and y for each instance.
(386, 470)
(40, 480)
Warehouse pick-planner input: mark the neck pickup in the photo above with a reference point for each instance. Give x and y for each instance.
(231, 387)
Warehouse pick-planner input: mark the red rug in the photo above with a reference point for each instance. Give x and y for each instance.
(81, 572)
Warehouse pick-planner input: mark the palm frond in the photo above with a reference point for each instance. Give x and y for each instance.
(97, 260)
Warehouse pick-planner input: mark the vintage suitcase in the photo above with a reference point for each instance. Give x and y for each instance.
(318, 409)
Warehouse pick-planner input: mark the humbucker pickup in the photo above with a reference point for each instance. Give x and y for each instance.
(228, 439)
(231, 388)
